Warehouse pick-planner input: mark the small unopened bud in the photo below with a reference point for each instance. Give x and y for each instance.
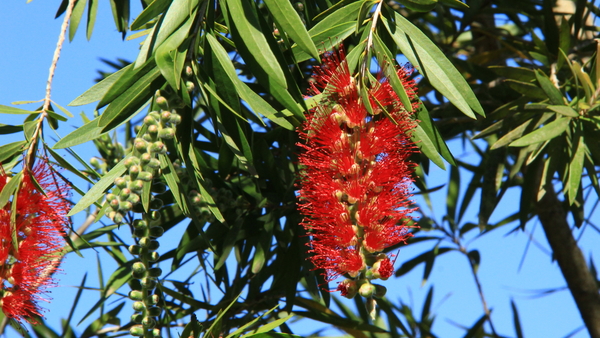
(148, 282)
(125, 206)
(136, 186)
(135, 250)
(138, 306)
(141, 145)
(154, 256)
(136, 295)
(380, 291)
(165, 116)
(137, 331)
(166, 133)
(154, 272)
(162, 102)
(175, 119)
(366, 290)
(154, 311)
(156, 231)
(137, 318)
(145, 176)
(138, 268)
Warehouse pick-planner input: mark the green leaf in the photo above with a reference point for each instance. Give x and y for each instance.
(91, 17)
(419, 5)
(168, 172)
(87, 132)
(166, 54)
(389, 69)
(11, 149)
(328, 38)
(153, 10)
(10, 188)
(8, 129)
(97, 91)
(547, 132)
(98, 190)
(75, 19)
(257, 103)
(575, 170)
(244, 17)
(516, 319)
(555, 96)
(433, 64)
(13, 110)
(422, 140)
(287, 18)
(564, 110)
(67, 165)
(262, 331)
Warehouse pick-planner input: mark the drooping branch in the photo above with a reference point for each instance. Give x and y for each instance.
(580, 280)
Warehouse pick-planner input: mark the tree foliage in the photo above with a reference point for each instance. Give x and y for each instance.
(516, 81)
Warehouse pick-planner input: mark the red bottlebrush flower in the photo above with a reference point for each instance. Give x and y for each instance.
(38, 226)
(355, 177)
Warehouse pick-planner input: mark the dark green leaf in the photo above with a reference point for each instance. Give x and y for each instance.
(555, 96)
(547, 132)
(97, 91)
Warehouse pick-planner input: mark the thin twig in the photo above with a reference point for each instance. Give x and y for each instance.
(29, 159)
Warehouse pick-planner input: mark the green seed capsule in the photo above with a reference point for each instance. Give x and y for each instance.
(140, 232)
(153, 245)
(138, 268)
(140, 224)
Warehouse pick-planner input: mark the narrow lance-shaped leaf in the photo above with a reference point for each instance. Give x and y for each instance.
(547, 132)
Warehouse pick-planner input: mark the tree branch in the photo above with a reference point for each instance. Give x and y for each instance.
(580, 281)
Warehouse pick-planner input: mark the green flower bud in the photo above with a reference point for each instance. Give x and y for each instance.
(136, 295)
(137, 331)
(155, 215)
(154, 256)
(136, 186)
(154, 163)
(135, 250)
(116, 217)
(152, 130)
(114, 204)
(134, 170)
(157, 148)
(149, 137)
(138, 306)
(152, 300)
(121, 182)
(153, 245)
(175, 119)
(156, 231)
(148, 282)
(131, 161)
(95, 162)
(154, 311)
(154, 272)
(189, 71)
(155, 115)
(140, 145)
(125, 206)
(140, 223)
(138, 268)
(190, 86)
(145, 176)
(162, 102)
(149, 322)
(380, 291)
(134, 199)
(137, 318)
(124, 194)
(156, 332)
(166, 133)
(149, 120)
(165, 116)
(366, 290)
(141, 232)
(145, 158)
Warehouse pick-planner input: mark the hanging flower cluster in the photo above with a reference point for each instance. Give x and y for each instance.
(356, 176)
(32, 227)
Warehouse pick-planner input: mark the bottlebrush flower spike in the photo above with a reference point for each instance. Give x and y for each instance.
(356, 177)
(40, 221)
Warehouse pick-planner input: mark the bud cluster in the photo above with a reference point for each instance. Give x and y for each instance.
(111, 153)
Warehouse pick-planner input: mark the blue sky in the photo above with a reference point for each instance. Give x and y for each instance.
(29, 35)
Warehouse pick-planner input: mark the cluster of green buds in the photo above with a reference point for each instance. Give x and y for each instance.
(144, 163)
(111, 152)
